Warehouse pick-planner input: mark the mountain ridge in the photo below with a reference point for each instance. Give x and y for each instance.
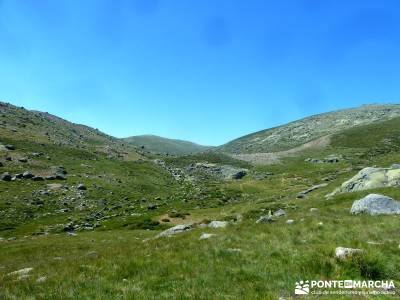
(158, 144)
(296, 133)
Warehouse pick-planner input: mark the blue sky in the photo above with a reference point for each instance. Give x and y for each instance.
(207, 70)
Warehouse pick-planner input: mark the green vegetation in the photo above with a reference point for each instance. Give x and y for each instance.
(157, 144)
(100, 243)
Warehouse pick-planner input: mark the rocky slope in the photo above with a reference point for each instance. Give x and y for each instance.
(303, 131)
(88, 226)
(21, 124)
(163, 145)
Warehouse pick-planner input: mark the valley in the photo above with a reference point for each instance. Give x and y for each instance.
(84, 215)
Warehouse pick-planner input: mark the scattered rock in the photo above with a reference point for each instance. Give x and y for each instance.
(81, 187)
(343, 253)
(332, 159)
(265, 219)
(234, 250)
(205, 236)
(290, 221)
(375, 204)
(152, 206)
(311, 189)
(27, 175)
(313, 209)
(9, 147)
(279, 213)
(37, 178)
(23, 160)
(5, 176)
(175, 230)
(218, 224)
(41, 279)
(57, 172)
(21, 272)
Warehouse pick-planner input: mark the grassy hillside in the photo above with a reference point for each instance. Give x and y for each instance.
(113, 252)
(159, 144)
(20, 124)
(299, 132)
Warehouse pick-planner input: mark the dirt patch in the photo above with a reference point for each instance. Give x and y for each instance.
(273, 157)
(178, 221)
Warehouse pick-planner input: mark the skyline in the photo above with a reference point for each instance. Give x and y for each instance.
(207, 72)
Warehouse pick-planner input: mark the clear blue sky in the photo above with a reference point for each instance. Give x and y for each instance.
(203, 70)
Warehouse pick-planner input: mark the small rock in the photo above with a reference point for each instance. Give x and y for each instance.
(313, 209)
(152, 206)
(5, 176)
(234, 250)
(81, 187)
(27, 175)
(218, 224)
(279, 213)
(290, 221)
(41, 279)
(24, 271)
(343, 253)
(23, 160)
(9, 147)
(205, 236)
(265, 219)
(37, 178)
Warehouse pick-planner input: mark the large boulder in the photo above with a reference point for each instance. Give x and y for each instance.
(229, 172)
(370, 178)
(375, 204)
(175, 230)
(224, 172)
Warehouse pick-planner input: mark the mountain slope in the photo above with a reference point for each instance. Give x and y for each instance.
(159, 144)
(21, 124)
(299, 132)
(101, 240)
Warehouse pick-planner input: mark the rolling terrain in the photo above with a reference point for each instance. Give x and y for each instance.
(300, 132)
(157, 144)
(91, 225)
